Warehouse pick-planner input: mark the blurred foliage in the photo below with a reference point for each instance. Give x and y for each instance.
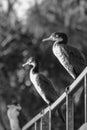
(21, 39)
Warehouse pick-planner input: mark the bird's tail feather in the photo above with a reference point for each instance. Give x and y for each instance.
(61, 115)
(59, 112)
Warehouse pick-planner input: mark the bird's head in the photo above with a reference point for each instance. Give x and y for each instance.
(31, 62)
(61, 38)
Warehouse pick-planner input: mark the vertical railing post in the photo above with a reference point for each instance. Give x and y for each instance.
(85, 98)
(49, 118)
(41, 123)
(69, 111)
(35, 125)
(66, 109)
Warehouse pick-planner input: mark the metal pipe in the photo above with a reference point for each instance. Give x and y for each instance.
(35, 125)
(41, 123)
(85, 98)
(49, 118)
(67, 116)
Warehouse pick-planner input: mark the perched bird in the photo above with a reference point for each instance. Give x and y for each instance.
(42, 85)
(70, 57)
(13, 113)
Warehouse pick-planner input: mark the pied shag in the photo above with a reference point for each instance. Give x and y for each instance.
(13, 113)
(42, 85)
(70, 57)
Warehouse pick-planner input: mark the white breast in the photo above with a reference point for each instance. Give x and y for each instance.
(37, 87)
(58, 52)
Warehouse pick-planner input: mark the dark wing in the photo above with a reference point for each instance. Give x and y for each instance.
(47, 88)
(50, 92)
(76, 59)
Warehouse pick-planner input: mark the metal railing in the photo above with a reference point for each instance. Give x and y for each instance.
(68, 97)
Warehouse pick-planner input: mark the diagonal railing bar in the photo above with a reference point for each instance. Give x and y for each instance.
(59, 101)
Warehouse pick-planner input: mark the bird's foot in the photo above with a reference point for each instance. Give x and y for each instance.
(42, 112)
(67, 89)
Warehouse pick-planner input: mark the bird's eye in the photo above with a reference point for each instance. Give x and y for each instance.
(57, 36)
(30, 60)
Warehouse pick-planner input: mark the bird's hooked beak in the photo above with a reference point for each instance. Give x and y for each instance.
(52, 38)
(25, 64)
(18, 107)
(48, 39)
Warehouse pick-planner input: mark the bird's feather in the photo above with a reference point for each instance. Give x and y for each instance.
(47, 87)
(75, 57)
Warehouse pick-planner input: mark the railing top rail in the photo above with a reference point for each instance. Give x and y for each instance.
(59, 101)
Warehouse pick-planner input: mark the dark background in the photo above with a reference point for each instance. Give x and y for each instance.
(21, 39)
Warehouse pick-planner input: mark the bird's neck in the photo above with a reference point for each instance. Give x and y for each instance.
(57, 49)
(58, 43)
(35, 69)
